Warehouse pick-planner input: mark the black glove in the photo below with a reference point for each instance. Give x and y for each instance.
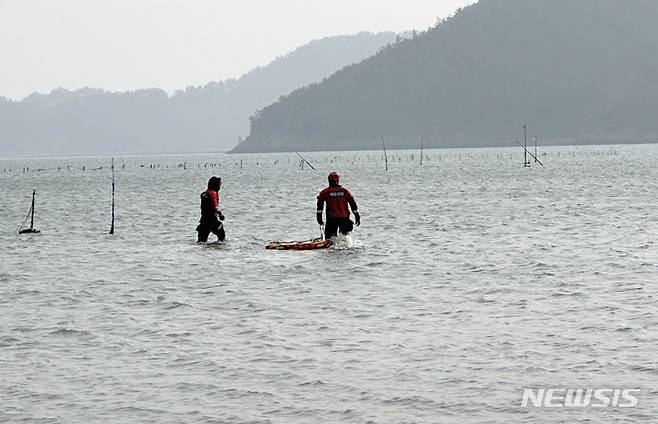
(357, 218)
(319, 218)
(220, 215)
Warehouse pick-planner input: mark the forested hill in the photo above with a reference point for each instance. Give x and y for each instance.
(582, 71)
(204, 118)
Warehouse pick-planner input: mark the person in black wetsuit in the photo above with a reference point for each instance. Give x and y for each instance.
(210, 213)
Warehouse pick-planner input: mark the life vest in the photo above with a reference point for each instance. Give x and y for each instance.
(209, 202)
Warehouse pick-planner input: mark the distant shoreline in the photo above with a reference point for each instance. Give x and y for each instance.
(542, 143)
(392, 149)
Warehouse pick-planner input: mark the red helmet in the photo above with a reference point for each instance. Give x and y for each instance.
(333, 178)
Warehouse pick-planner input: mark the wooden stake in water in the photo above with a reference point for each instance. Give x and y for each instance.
(421, 149)
(112, 224)
(535, 148)
(304, 160)
(30, 230)
(525, 148)
(34, 192)
(527, 152)
(385, 156)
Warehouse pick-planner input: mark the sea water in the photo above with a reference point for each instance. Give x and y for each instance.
(470, 279)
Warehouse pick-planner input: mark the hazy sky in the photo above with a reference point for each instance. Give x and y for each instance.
(129, 44)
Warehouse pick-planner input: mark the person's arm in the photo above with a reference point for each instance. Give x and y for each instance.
(320, 207)
(355, 208)
(215, 199)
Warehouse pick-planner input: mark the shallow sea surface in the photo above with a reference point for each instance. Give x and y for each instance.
(471, 278)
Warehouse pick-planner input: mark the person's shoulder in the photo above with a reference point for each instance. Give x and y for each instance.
(348, 193)
(324, 191)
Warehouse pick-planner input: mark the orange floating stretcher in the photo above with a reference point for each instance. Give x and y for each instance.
(299, 245)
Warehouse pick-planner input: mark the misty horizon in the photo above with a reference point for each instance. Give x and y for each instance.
(172, 45)
(211, 117)
(181, 89)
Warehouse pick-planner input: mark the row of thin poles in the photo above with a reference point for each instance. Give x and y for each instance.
(386, 157)
(338, 159)
(304, 162)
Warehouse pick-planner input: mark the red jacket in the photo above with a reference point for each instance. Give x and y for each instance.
(209, 204)
(214, 196)
(337, 198)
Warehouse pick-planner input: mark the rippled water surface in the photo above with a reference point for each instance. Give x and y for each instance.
(471, 278)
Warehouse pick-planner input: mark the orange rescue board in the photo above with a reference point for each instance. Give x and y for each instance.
(299, 245)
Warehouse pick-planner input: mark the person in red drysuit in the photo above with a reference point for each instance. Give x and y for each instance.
(210, 212)
(337, 198)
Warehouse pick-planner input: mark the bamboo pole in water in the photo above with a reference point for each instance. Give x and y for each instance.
(385, 156)
(30, 230)
(526, 163)
(34, 192)
(304, 160)
(528, 153)
(112, 224)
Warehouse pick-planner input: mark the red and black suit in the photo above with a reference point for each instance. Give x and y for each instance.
(210, 213)
(337, 199)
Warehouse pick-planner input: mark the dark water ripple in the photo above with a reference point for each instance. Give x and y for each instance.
(469, 281)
